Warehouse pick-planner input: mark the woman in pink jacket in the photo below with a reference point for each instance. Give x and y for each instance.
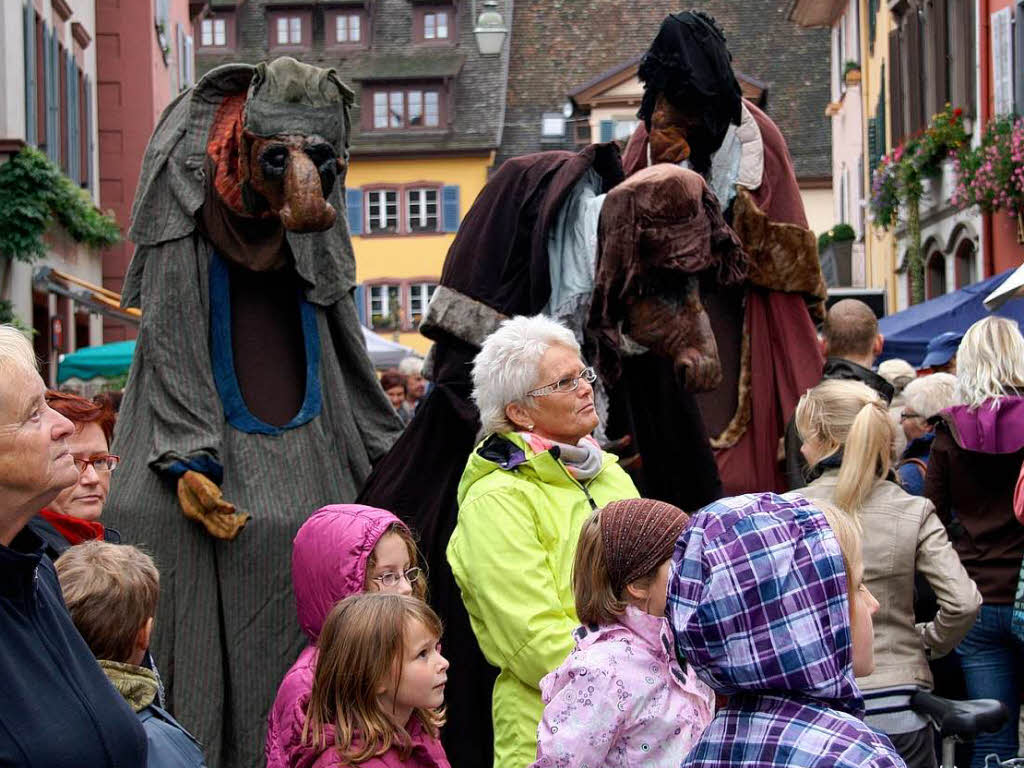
(341, 550)
(621, 697)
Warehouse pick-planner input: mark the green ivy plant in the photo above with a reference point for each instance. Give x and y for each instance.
(33, 195)
(9, 317)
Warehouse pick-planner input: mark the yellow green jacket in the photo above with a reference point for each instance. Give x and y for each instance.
(512, 552)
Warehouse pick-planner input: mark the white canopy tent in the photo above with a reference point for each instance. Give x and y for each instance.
(1011, 288)
(384, 353)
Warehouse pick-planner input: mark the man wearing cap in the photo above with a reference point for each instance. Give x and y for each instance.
(940, 356)
(251, 394)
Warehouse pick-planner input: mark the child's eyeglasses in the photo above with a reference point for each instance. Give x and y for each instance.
(391, 579)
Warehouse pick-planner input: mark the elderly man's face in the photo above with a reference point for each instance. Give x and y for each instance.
(35, 460)
(565, 417)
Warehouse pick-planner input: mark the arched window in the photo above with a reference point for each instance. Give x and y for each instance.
(966, 257)
(935, 275)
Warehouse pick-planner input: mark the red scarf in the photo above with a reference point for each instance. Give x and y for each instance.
(74, 529)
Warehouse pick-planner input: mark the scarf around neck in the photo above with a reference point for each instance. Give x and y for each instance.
(74, 529)
(137, 685)
(583, 461)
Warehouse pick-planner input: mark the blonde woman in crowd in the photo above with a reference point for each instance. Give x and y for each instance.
(847, 432)
(975, 460)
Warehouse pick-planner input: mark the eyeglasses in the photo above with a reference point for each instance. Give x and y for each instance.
(909, 415)
(106, 463)
(568, 384)
(391, 579)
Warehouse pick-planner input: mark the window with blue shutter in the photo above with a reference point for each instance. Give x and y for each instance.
(30, 74)
(87, 178)
(53, 97)
(71, 118)
(607, 130)
(450, 208)
(354, 204)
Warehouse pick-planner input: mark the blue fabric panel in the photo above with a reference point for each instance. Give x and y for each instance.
(450, 208)
(354, 204)
(236, 412)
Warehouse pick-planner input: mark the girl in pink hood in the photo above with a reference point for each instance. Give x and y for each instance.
(341, 550)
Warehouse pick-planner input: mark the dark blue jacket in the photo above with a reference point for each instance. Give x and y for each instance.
(57, 708)
(170, 745)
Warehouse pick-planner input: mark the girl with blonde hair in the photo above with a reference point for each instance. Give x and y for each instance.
(622, 697)
(378, 692)
(975, 460)
(847, 432)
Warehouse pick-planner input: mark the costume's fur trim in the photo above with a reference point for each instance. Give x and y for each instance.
(783, 257)
(456, 314)
(737, 426)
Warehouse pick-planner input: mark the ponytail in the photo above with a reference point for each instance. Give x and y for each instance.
(866, 456)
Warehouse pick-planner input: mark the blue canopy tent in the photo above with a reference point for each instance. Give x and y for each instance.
(89, 362)
(907, 333)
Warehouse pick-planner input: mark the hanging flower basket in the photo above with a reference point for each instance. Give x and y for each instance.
(991, 176)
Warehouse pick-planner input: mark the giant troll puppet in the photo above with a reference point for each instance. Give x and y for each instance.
(691, 287)
(251, 401)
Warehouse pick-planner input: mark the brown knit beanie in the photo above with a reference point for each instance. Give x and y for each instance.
(638, 535)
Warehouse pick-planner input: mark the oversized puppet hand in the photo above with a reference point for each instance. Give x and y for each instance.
(682, 332)
(200, 499)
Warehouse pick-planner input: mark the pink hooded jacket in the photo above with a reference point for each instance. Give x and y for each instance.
(427, 752)
(328, 564)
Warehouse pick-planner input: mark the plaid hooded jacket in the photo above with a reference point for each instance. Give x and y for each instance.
(757, 603)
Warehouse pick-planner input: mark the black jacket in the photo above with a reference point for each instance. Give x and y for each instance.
(797, 472)
(58, 708)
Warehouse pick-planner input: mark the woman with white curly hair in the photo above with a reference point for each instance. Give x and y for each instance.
(975, 460)
(524, 495)
(923, 400)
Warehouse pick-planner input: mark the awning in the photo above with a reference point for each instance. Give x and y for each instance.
(106, 360)
(384, 353)
(907, 333)
(93, 297)
(1011, 288)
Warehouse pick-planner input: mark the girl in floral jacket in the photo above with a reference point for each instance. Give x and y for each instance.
(621, 698)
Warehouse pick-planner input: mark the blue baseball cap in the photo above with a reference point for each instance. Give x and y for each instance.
(941, 349)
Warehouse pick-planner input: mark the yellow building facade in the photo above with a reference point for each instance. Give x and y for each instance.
(399, 264)
(880, 246)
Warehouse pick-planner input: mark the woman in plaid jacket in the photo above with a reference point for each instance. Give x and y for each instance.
(766, 601)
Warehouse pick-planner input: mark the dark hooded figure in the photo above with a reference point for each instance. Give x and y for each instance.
(693, 115)
(251, 400)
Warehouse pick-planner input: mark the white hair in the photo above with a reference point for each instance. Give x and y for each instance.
(928, 395)
(15, 349)
(411, 366)
(897, 372)
(505, 369)
(990, 360)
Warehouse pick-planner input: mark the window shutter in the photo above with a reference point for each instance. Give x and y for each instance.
(29, 19)
(607, 130)
(71, 118)
(883, 145)
(360, 299)
(1018, 77)
(450, 208)
(872, 23)
(354, 204)
(87, 175)
(872, 142)
(896, 65)
(1002, 62)
(53, 99)
(913, 75)
(937, 93)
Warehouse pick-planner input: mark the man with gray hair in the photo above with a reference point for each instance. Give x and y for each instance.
(851, 342)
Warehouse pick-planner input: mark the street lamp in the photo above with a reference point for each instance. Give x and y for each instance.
(490, 29)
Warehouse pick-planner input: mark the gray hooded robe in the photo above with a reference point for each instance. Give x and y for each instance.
(226, 629)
